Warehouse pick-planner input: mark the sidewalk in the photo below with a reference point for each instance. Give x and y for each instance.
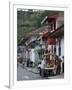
(60, 76)
(30, 69)
(33, 70)
(36, 71)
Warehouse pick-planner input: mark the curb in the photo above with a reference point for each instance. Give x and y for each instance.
(32, 71)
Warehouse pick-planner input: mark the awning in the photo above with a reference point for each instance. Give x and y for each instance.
(50, 18)
(51, 41)
(58, 33)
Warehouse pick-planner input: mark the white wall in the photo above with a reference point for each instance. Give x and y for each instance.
(60, 20)
(57, 46)
(32, 55)
(62, 48)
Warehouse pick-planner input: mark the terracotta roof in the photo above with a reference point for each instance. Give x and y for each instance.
(54, 16)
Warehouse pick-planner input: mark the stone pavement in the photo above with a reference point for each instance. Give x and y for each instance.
(26, 74)
(33, 70)
(36, 71)
(30, 69)
(60, 76)
(30, 73)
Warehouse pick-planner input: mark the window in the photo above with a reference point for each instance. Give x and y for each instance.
(54, 49)
(52, 26)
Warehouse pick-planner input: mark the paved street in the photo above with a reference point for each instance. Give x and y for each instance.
(27, 74)
(24, 74)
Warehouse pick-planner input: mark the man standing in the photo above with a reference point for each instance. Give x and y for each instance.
(43, 64)
(63, 65)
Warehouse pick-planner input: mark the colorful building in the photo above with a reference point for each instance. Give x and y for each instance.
(55, 35)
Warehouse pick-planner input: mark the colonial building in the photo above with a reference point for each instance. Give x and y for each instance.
(58, 34)
(55, 35)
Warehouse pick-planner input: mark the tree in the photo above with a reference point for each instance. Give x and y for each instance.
(30, 20)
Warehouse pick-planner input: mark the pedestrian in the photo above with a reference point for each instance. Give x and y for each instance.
(28, 62)
(23, 64)
(43, 64)
(63, 64)
(58, 66)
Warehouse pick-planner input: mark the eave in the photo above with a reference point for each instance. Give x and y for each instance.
(58, 33)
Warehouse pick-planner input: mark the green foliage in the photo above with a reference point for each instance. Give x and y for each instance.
(28, 21)
(40, 52)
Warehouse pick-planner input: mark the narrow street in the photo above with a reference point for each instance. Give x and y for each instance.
(27, 74)
(24, 74)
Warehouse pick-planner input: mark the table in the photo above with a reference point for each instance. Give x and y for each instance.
(50, 68)
(49, 71)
